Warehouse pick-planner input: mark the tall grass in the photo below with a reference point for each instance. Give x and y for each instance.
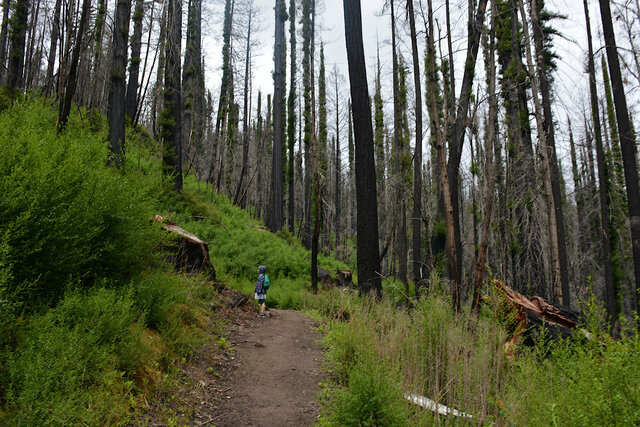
(458, 359)
(454, 360)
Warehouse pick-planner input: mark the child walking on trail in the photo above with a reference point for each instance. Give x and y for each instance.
(261, 288)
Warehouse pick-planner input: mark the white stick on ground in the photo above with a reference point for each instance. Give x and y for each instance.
(427, 403)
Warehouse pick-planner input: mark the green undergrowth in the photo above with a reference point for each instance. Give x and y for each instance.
(95, 356)
(238, 244)
(92, 321)
(377, 352)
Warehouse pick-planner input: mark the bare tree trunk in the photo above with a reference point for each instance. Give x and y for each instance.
(556, 290)
(338, 165)
(117, 90)
(142, 93)
(291, 115)
(276, 218)
(400, 214)
(159, 83)
(131, 101)
(417, 156)
(245, 126)
(367, 217)
(3, 37)
(172, 112)
(561, 278)
(30, 60)
(97, 52)
(455, 149)
(627, 142)
(18, 39)
(492, 121)
(65, 105)
(442, 163)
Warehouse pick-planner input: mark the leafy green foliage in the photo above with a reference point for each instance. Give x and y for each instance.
(590, 380)
(69, 363)
(238, 244)
(373, 396)
(66, 216)
(75, 311)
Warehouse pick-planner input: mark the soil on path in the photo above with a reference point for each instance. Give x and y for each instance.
(270, 376)
(277, 373)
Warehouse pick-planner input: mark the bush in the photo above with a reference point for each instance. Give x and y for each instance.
(70, 363)
(66, 216)
(176, 307)
(581, 381)
(155, 293)
(373, 396)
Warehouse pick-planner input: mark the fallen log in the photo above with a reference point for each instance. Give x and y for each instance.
(535, 312)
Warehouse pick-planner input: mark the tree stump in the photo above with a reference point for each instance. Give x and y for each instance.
(188, 253)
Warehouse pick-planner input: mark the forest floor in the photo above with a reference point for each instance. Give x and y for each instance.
(267, 374)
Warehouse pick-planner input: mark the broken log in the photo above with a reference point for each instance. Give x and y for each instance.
(535, 312)
(232, 299)
(187, 252)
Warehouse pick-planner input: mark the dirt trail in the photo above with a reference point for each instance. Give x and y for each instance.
(277, 371)
(269, 376)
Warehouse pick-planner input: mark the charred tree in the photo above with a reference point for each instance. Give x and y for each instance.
(116, 114)
(18, 37)
(627, 141)
(367, 215)
(65, 104)
(416, 220)
(276, 217)
(171, 117)
(131, 101)
(291, 115)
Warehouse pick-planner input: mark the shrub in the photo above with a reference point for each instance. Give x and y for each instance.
(66, 216)
(155, 293)
(68, 365)
(373, 396)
